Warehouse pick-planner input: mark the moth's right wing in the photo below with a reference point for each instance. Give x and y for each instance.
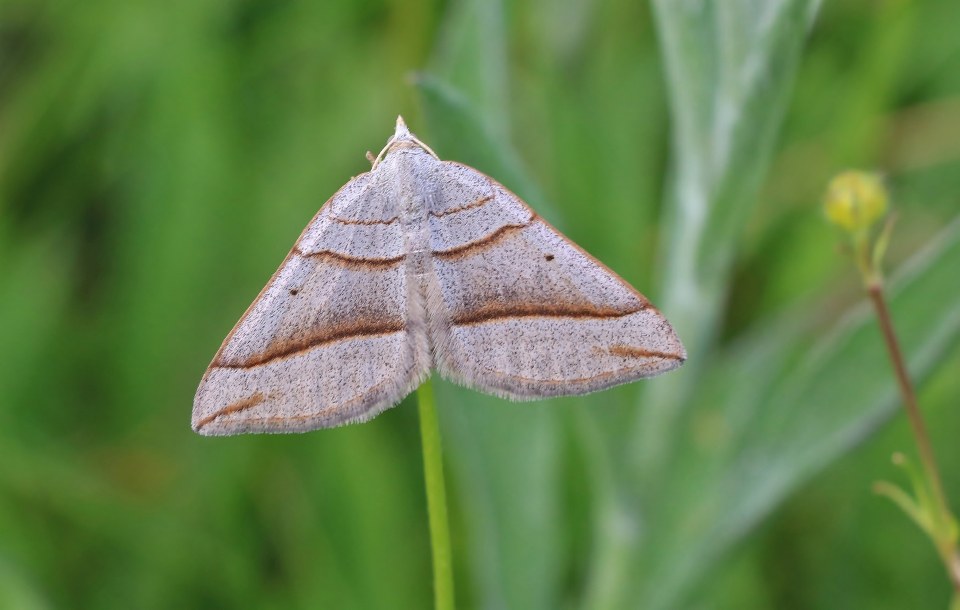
(521, 311)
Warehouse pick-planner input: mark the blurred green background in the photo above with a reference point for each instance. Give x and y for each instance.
(158, 159)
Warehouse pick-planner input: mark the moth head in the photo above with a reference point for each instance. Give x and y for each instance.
(402, 133)
(402, 138)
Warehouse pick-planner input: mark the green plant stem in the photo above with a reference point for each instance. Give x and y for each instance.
(436, 499)
(946, 548)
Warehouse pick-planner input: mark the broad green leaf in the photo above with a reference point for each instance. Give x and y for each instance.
(730, 67)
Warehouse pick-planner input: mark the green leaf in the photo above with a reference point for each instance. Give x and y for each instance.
(773, 438)
(506, 460)
(730, 68)
(471, 56)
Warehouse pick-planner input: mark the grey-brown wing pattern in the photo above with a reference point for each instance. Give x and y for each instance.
(422, 263)
(326, 342)
(519, 310)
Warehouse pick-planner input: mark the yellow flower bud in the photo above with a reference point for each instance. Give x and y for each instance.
(855, 200)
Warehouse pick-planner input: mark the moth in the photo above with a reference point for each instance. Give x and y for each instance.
(421, 265)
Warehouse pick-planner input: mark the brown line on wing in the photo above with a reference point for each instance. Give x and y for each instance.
(473, 204)
(495, 311)
(627, 351)
(315, 339)
(355, 262)
(473, 247)
(241, 405)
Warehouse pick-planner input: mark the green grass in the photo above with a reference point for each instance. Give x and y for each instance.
(157, 160)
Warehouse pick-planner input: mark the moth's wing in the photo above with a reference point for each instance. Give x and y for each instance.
(521, 311)
(326, 342)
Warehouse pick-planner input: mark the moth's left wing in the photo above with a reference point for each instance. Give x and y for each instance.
(328, 341)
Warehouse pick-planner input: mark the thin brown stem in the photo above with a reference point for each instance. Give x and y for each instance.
(949, 552)
(906, 389)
